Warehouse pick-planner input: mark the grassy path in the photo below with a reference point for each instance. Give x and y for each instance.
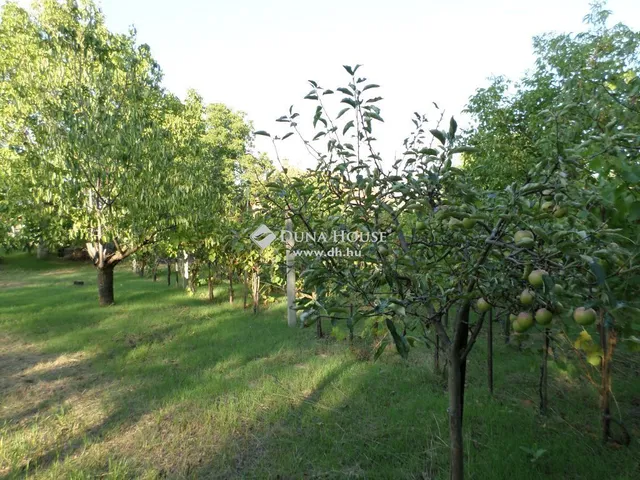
(163, 385)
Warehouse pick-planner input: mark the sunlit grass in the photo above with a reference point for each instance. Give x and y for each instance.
(163, 385)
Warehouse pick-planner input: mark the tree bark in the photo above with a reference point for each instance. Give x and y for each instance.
(105, 285)
(607, 343)
(231, 287)
(155, 271)
(168, 273)
(42, 251)
(457, 373)
(245, 300)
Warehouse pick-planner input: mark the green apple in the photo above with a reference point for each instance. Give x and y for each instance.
(516, 327)
(454, 223)
(483, 305)
(560, 212)
(584, 316)
(524, 238)
(557, 288)
(523, 322)
(512, 317)
(547, 206)
(526, 297)
(544, 316)
(535, 277)
(420, 226)
(468, 223)
(594, 359)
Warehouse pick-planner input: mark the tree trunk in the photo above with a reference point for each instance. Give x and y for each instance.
(168, 273)
(544, 374)
(42, 251)
(490, 353)
(245, 300)
(607, 343)
(457, 373)
(142, 265)
(155, 271)
(231, 288)
(105, 285)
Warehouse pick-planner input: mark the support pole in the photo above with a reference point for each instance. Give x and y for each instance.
(291, 275)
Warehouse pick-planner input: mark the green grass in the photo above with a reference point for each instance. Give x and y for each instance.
(163, 385)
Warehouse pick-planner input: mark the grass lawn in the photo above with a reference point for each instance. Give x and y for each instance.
(163, 385)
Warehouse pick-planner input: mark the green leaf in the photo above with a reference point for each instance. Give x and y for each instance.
(381, 348)
(262, 132)
(598, 271)
(439, 135)
(371, 85)
(346, 91)
(348, 125)
(453, 126)
(401, 343)
(349, 101)
(342, 112)
(287, 135)
(374, 115)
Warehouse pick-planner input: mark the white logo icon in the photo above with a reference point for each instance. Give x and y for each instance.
(262, 236)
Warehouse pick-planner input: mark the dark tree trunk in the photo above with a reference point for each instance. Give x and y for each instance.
(457, 373)
(155, 271)
(607, 343)
(105, 285)
(177, 274)
(168, 273)
(142, 265)
(490, 353)
(544, 374)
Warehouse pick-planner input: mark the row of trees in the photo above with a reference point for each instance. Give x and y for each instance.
(94, 150)
(541, 224)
